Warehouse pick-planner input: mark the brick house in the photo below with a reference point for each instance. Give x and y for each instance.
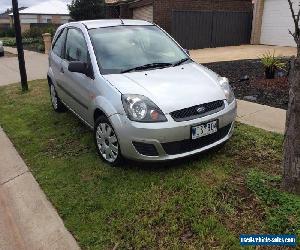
(50, 12)
(5, 19)
(162, 12)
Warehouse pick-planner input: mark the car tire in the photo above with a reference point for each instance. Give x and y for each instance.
(106, 141)
(57, 104)
(1, 54)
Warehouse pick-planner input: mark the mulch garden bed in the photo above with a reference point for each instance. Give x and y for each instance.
(272, 92)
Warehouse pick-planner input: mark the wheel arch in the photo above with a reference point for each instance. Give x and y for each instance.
(97, 113)
(103, 107)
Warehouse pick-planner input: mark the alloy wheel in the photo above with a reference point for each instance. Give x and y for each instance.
(107, 142)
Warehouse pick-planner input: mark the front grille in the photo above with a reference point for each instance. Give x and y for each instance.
(145, 148)
(191, 113)
(179, 147)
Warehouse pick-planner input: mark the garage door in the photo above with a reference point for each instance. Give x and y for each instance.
(144, 13)
(276, 22)
(211, 28)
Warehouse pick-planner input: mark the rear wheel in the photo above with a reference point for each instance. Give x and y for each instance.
(1, 54)
(107, 142)
(57, 104)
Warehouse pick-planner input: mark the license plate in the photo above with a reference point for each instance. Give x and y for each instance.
(204, 129)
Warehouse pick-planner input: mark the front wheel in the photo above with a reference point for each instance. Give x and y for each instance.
(107, 142)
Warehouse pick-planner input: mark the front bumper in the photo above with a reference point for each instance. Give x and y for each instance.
(165, 134)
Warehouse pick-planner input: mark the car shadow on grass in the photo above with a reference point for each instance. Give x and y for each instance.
(171, 164)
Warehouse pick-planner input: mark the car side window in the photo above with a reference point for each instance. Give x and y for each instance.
(76, 48)
(59, 43)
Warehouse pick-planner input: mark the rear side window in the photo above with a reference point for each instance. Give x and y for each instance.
(76, 48)
(59, 43)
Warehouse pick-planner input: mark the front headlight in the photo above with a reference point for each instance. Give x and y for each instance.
(224, 82)
(141, 109)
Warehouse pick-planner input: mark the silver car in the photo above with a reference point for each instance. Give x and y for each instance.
(139, 91)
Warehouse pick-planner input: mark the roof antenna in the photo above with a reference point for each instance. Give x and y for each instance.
(122, 22)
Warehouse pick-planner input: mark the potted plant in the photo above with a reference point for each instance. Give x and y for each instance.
(271, 63)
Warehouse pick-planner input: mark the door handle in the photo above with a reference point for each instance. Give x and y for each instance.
(62, 70)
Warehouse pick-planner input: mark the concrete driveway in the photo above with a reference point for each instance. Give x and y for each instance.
(36, 65)
(232, 53)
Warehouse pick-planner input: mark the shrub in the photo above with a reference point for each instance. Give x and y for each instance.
(31, 40)
(51, 30)
(271, 63)
(41, 47)
(9, 42)
(37, 32)
(12, 41)
(10, 32)
(32, 32)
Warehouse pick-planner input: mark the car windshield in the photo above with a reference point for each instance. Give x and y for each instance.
(124, 48)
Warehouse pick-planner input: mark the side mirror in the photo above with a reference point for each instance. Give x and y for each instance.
(83, 68)
(187, 51)
(78, 67)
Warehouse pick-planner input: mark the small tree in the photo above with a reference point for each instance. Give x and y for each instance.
(291, 162)
(87, 9)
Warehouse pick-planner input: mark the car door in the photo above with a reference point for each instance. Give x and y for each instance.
(76, 86)
(56, 59)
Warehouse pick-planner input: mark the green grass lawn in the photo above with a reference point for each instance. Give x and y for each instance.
(196, 203)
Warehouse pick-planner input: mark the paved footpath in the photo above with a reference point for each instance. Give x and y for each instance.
(27, 218)
(262, 116)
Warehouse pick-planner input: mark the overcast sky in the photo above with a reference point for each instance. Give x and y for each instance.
(5, 4)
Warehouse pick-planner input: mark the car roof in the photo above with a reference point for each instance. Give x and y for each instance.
(93, 24)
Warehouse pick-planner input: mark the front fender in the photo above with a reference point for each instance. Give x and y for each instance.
(108, 107)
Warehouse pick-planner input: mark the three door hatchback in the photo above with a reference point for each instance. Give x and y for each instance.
(140, 92)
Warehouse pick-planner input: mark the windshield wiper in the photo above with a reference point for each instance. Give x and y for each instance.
(148, 66)
(181, 62)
